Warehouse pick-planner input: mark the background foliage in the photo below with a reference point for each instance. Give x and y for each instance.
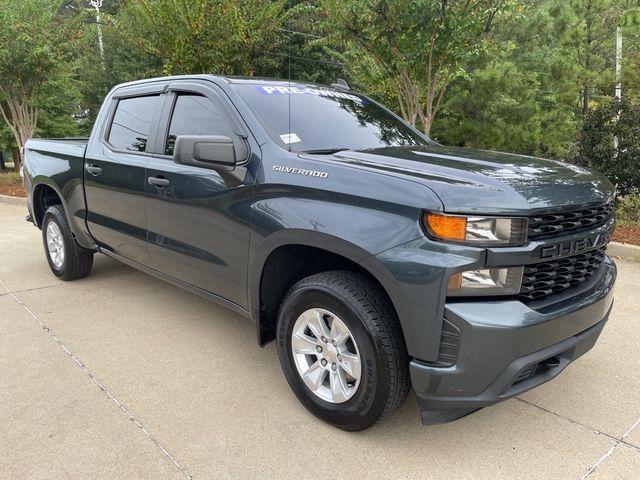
(595, 148)
(534, 77)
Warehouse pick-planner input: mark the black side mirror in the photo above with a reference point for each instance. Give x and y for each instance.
(207, 151)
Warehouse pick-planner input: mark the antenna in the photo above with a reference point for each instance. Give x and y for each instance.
(289, 79)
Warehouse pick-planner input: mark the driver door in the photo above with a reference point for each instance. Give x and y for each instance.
(198, 218)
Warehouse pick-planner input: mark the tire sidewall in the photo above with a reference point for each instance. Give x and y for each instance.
(367, 403)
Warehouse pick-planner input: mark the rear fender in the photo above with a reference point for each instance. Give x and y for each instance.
(75, 216)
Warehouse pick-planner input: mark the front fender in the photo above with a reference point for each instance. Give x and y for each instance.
(415, 276)
(309, 238)
(351, 226)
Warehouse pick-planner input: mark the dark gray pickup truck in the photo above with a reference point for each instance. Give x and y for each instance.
(375, 257)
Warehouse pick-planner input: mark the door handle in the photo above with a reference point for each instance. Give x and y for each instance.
(93, 169)
(159, 182)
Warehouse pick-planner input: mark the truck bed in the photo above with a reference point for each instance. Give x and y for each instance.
(72, 140)
(75, 146)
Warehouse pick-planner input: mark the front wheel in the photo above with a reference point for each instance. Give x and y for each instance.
(342, 350)
(66, 258)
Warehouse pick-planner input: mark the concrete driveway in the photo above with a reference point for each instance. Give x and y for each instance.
(120, 375)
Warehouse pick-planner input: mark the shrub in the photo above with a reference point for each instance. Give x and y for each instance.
(628, 209)
(10, 178)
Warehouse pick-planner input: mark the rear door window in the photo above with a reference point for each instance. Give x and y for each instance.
(132, 122)
(196, 115)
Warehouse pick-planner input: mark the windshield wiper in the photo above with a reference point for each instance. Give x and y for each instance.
(324, 151)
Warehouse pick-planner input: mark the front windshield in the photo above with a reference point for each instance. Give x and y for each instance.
(323, 119)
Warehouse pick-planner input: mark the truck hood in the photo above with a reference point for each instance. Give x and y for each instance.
(471, 180)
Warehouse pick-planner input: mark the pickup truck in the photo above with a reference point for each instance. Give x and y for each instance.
(376, 258)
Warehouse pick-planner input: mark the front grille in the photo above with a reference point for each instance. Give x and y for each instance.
(542, 279)
(553, 225)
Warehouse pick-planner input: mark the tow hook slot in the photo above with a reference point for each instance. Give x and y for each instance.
(552, 362)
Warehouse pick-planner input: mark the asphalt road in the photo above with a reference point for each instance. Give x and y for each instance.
(120, 375)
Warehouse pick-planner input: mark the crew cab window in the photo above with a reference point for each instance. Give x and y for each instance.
(196, 115)
(132, 121)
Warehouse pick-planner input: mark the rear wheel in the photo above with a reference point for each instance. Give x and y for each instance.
(66, 258)
(341, 349)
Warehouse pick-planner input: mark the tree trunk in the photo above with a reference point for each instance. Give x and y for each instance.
(15, 158)
(21, 119)
(585, 99)
(2, 167)
(426, 127)
(588, 40)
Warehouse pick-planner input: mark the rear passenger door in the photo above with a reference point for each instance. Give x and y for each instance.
(198, 221)
(115, 172)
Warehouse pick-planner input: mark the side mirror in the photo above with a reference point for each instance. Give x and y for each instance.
(206, 151)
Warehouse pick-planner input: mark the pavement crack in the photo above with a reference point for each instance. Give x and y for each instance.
(93, 378)
(617, 441)
(9, 292)
(593, 467)
(587, 427)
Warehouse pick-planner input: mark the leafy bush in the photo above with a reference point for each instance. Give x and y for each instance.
(628, 211)
(10, 178)
(595, 148)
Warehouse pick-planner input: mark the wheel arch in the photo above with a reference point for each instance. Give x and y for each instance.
(45, 193)
(44, 196)
(291, 256)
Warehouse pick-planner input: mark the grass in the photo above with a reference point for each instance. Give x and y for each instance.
(10, 178)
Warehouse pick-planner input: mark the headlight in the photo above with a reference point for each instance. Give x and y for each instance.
(486, 281)
(480, 231)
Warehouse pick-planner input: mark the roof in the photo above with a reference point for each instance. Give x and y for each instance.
(230, 79)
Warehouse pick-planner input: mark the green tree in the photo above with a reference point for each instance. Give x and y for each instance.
(590, 37)
(630, 23)
(525, 93)
(123, 61)
(520, 94)
(7, 147)
(595, 147)
(32, 60)
(301, 51)
(422, 45)
(586, 33)
(208, 36)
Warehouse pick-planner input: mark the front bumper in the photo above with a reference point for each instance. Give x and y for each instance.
(506, 347)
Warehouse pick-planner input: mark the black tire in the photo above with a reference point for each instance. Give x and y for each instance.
(366, 311)
(77, 261)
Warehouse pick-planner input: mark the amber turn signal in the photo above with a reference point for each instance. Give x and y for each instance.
(455, 281)
(446, 227)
